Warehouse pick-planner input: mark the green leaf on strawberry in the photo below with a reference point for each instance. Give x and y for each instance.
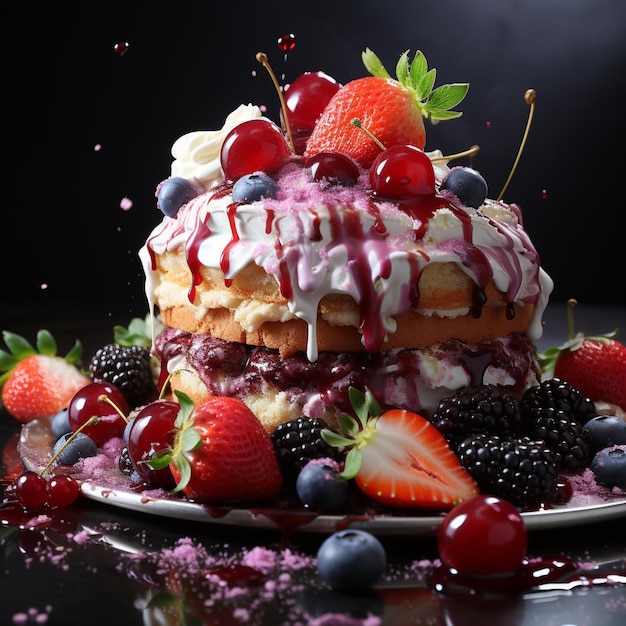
(187, 439)
(435, 104)
(138, 333)
(398, 458)
(20, 348)
(594, 365)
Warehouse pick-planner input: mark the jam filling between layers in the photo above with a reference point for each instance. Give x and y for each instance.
(396, 378)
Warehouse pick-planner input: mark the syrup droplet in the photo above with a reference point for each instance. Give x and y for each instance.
(121, 48)
(287, 42)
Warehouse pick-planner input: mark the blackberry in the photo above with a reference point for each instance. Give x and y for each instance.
(555, 412)
(563, 435)
(128, 368)
(560, 395)
(522, 471)
(480, 409)
(297, 442)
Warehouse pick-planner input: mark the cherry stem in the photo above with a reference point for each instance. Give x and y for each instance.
(261, 57)
(530, 97)
(90, 422)
(104, 398)
(355, 121)
(571, 303)
(470, 152)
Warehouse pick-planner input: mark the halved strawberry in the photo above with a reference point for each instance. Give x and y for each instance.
(35, 381)
(595, 366)
(391, 110)
(399, 458)
(221, 452)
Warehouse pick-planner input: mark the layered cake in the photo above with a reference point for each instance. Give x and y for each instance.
(286, 271)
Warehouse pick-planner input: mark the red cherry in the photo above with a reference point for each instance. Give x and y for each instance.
(253, 146)
(62, 490)
(305, 100)
(483, 535)
(333, 168)
(31, 490)
(402, 172)
(152, 431)
(90, 401)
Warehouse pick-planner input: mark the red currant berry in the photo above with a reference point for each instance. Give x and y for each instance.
(31, 490)
(94, 400)
(305, 100)
(62, 490)
(152, 431)
(483, 535)
(402, 172)
(253, 146)
(333, 168)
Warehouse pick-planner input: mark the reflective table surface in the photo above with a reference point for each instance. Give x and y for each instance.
(93, 563)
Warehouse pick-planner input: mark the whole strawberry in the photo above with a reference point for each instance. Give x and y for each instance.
(36, 382)
(221, 452)
(595, 366)
(399, 458)
(391, 110)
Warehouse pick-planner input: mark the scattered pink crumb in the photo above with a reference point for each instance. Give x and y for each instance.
(126, 204)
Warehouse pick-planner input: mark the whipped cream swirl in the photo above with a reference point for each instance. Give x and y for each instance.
(197, 154)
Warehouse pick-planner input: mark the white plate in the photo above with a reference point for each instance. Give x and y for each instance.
(36, 441)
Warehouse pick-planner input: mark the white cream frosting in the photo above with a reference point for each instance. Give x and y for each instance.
(309, 240)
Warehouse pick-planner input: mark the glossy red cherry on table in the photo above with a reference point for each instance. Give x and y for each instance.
(305, 100)
(253, 146)
(152, 431)
(62, 490)
(402, 172)
(481, 536)
(31, 490)
(90, 402)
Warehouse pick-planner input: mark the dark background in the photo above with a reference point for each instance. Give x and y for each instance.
(69, 250)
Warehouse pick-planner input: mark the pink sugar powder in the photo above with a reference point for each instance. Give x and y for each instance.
(587, 492)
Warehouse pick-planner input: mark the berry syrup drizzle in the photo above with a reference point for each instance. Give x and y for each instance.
(540, 574)
(306, 252)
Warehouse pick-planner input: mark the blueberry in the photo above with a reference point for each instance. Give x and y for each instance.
(351, 560)
(609, 467)
(253, 187)
(80, 447)
(60, 424)
(173, 193)
(467, 185)
(321, 487)
(604, 431)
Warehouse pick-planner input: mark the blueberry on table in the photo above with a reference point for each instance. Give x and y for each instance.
(351, 560)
